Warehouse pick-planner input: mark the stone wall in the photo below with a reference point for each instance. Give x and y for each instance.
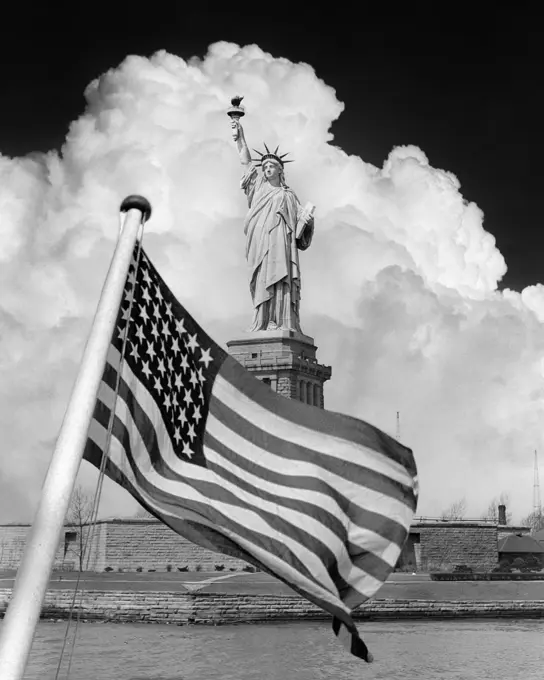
(12, 545)
(203, 608)
(442, 546)
(149, 544)
(127, 544)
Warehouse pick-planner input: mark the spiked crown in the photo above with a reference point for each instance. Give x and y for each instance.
(270, 156)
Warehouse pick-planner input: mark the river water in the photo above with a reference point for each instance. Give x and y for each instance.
(419, 650)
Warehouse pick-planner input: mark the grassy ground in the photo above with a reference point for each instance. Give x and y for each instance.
(398, 587)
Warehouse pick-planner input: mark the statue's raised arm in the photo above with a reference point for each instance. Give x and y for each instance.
(276, 228)
(235, 112)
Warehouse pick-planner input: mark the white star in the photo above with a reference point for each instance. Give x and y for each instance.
(193, 379)
(161, 368)
(127, 296)
(154, 331)
(177, 435)
(180, 326)
(167, 401)
(196, 414)
(165, 330)
(187, 450)
(169, 310)
(146, 296)
(121, 332)
(191, 432)
(134, 351)
(192, 344)
(184, 362)
(140, 334)
(170, 364)
(175, 346)
(187, 398)
(206, 357)
(158, 385)
(151, 350)
(156, 311)
(131, 278)
(175, 399)
(182, 417)
(178, 381)
(201, 376)
(143, 313)
(158, 293)
(145, 369)
(126, 313)
(201, 395)
(146, 276)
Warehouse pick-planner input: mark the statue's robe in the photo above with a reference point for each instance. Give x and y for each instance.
(272, 252)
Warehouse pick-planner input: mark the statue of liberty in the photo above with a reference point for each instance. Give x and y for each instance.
(276, 228)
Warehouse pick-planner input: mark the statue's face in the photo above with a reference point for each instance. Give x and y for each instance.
(271, 171)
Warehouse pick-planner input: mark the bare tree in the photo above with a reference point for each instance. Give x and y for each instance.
(142, 513)
(456, 510)
(492, 511)
(79, 516)
(535, 520)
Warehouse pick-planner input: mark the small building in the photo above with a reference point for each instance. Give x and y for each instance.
(435, 544)
(520, 546)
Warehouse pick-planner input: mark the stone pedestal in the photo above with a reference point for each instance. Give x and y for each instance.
(285, 360)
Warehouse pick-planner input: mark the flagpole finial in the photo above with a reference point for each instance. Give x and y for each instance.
(139, 203)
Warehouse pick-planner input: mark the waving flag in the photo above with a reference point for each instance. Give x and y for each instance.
(318, 499)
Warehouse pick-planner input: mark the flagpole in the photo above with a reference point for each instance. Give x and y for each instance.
(23, 612)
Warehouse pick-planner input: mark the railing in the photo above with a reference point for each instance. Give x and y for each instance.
(480, 520)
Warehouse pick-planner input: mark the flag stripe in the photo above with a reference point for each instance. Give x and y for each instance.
(296, 478)
(356, 462)
(293, 499)
(273, 407)
(378, 490)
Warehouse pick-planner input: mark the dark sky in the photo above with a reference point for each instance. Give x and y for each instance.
(464, 89)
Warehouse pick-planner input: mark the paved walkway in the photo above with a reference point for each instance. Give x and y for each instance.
(398, 587)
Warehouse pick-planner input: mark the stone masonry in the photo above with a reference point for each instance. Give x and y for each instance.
(120, 544)
(152, 545)
(442, 546)
(12, 545)
(285, 360)
(218, 608)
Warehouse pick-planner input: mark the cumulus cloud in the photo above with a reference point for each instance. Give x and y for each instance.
(399, 286)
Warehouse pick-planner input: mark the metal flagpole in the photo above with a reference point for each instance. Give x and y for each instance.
(23, 612)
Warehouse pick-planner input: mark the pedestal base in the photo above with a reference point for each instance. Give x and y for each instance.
(285, 360)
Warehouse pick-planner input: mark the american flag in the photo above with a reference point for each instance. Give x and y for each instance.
(320, 500)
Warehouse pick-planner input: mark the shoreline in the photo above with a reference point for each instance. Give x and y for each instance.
(198, 608)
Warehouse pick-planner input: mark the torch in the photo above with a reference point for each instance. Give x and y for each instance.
(235, 112)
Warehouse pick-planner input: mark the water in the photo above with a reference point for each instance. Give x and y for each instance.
(419, 650)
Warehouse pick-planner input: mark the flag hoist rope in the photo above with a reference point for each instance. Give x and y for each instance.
(100, 482)
(29, 590)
